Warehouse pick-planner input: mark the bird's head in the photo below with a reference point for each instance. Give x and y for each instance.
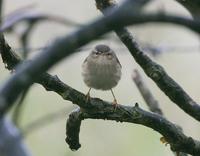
(102, 51)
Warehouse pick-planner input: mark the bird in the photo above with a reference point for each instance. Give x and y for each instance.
(101, 70)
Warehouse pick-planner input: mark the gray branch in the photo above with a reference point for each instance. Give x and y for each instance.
(155, 71)
(26, 74)
(151, 102)
(11, 142)
(103, 110)
(95, 108)
(73, 128)
(61, 48)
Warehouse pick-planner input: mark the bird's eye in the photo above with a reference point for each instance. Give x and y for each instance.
(97, 53)
(109, 55)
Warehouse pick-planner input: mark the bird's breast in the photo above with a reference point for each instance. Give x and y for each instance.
(102, 74)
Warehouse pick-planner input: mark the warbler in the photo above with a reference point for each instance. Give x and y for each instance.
(101, 70)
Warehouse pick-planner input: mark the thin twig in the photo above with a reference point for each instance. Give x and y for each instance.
(32, 17)
(17, 113)
(150, 100)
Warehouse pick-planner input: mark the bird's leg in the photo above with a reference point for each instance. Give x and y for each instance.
(115, 100)
(88, 95)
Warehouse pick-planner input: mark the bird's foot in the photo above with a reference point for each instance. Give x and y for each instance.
(164, 141)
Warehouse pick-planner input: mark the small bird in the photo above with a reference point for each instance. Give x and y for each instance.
(101, 70)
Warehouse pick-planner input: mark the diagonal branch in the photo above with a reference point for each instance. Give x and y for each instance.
(151, 102)
(49, 82)
(155, 71)
(98, 109)
(30, 72)
(95, 108)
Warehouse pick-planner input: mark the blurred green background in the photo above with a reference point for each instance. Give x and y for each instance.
(100, 137)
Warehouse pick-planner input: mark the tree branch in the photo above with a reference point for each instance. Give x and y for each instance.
(103, 110)
(31, 17)
(11, 143)
(28, 73)
(73, 128)
(95, 108)
(151, 102)
(98, 109)
(49, 82)
(155, 71)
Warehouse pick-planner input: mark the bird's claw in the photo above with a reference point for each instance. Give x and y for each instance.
(164, 141)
